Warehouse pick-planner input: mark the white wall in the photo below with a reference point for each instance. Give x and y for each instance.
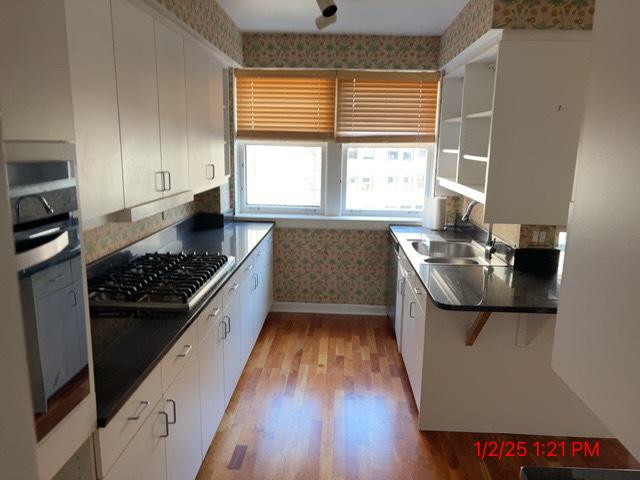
(597, 341)
(17, 435)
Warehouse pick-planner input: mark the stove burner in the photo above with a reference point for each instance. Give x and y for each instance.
(166, 281)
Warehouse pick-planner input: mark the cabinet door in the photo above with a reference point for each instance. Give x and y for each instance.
(95, 106)
(212, 404)
(249, 307)
(233, 342)
(400, 286)
(182, 405)
(75, 331)
(144, 457)
(263, 284)
(134, 43)
(173, 108)
(217, 115)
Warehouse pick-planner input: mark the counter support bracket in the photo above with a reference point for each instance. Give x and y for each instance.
(477, 327)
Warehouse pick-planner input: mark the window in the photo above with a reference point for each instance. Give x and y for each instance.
(334, 142)
(282, 177)
(386, 187)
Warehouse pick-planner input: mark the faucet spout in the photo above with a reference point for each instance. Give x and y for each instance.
(467, 212)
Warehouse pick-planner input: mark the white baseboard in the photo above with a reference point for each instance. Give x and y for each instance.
(335, 308)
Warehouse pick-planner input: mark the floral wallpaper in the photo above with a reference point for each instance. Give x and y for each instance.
(211, 21)
(110, 237)
(293, 50)
(331, 266)
(473, 21)
(479, 16)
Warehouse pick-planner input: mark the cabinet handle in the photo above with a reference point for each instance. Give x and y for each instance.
(141, 408)
(168, 173)
(256, 282)
(55, 279)
(185, 351)
(417, 291)
(162, 187)
(235, 287)
(249, 268)
(166, 424)
(75, 298)
(403, 287)
(224, 335)
(215, 312)
(227, 331)
(213, 171)
(173, 407)
(411, 309)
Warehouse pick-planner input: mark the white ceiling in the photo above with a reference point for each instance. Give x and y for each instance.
(391, 17)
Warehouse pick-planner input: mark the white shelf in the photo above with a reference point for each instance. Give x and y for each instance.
(485, 114)
(477, 158)
(474, 192)
(455, 151)
(453, 120)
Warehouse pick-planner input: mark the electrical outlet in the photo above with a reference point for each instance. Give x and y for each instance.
(542, 237)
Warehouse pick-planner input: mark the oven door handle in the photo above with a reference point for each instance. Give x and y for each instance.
(42, 253)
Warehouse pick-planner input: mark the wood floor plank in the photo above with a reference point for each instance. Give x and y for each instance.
(327, 397)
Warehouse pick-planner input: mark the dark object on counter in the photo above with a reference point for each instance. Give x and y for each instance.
(547, 473)
(208, 221)
(542, 262)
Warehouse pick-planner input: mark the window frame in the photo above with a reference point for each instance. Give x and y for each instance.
(344, 211)
(241, 187)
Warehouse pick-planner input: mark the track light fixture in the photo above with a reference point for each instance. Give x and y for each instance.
(328, 16)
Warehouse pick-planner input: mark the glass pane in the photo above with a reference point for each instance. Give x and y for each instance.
(378, 181)
(284, 175)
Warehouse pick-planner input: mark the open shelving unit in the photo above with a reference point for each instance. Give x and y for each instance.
(510, 116)
(467, 108)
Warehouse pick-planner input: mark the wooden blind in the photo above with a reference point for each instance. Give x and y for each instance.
(378, 107)
(282, 105)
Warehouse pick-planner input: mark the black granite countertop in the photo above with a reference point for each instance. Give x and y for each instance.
(474, 287)
(549, 473)
(141, 340)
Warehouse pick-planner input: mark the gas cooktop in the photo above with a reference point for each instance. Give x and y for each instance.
(159, 282)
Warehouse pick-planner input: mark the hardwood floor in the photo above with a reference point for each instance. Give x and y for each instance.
(327, 397)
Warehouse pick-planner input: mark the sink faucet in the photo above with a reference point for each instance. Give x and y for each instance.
(40, 198)
(490, 243)
(467, 212)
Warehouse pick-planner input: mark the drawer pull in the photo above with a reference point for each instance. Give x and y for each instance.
(411, 309)
(215, 313)
(173, 407)
(185, 351)
(418, 291)
(141, 408)
(166, 425)
(232, 289)
(249, 268)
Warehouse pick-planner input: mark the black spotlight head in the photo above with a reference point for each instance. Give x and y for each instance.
(330, 11)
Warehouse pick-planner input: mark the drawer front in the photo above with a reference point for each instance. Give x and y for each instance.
(179, 354)
(52, 279)
(232, 287)
(114, 438)
(210, 316)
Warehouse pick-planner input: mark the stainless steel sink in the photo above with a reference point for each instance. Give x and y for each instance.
(447, 249)
(453, 261)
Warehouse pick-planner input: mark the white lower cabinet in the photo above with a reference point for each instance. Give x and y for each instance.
(250, 306)
(233, 363)
(166, 427)
(182, 406)
(144, 457)
(413, 331)
(211, 359)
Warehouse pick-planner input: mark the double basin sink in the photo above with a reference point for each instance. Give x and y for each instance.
(455, 252)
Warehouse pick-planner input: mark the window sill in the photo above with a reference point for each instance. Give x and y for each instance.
(326, 221)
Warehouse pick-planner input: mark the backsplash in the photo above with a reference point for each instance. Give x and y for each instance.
(386, 52)
(517, 236)
(211, 21)
(110, 237)
(331, 266)
(479, 16)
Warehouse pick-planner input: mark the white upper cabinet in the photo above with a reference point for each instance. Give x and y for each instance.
(35, 94)
(134, 42)
(205, 113)
(95, 106)
(510, 121)
(173, 109)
